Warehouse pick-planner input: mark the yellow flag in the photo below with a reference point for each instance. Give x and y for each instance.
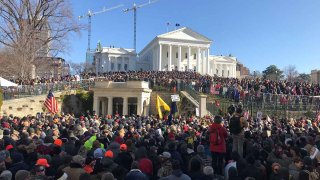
(160, 103)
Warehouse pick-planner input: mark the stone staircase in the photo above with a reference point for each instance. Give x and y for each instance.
(190, 98)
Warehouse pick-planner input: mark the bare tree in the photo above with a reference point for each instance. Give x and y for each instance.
(31, 29)
(291, 73)
(77, 68)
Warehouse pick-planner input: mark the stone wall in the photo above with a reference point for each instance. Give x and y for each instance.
(29, 105)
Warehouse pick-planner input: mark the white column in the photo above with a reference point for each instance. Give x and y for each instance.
(125, 106)
(179, 60)
(109, 64)
(110, 105)
(198, 61)
(154, 59)
(208, 64)
(170, 58)
(213, 68)
(96, 104)
(139, 107)
(122, 64)
(160, 57)
(189, 56)
(103, 108)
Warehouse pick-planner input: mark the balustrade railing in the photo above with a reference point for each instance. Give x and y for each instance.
(41, 89)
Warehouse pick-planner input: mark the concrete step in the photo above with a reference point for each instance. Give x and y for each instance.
(190, 98)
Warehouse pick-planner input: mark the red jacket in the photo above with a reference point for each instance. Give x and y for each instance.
(221, 148)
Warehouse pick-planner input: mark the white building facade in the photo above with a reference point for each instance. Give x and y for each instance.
(182, 49)
(223, 66)
(114, 59)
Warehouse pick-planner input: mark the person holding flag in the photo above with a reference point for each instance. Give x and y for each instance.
(51, 103)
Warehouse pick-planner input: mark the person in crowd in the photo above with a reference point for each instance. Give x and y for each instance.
(75, 169)
(218, 136)
(177, 173)
(201, 154)
(251, 170)
(135, 173)
(166, 165)
(236, 126)
(232, 163)
(295, 168)
(195, 169)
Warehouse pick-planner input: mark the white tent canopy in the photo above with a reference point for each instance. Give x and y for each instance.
(6, 83)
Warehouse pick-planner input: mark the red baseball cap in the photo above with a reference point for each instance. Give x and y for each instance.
(109, 154)
(9, 147)
(42, 162)
(123, 147)
(58, 142)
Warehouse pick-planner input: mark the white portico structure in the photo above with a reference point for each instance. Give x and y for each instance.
(110, 59)
(124, 98)
(223, 66)
(182, 50)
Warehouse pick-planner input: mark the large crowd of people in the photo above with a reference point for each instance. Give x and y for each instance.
(64, 147)
(233, 147)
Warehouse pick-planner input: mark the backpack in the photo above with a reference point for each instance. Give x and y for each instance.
(215, 138)
(235, 125)
(314, 175)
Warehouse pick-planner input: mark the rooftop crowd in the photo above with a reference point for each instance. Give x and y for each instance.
(136, 147)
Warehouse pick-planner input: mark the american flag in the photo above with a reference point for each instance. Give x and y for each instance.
(51, 103)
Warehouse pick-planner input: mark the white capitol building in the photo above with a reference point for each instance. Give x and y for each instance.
(182, 49)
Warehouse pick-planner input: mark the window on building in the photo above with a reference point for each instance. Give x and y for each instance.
(186, 55)
(195, 68)
(119, 67)
(112, 66)
(228, 73)
(126, 67)
(217, 71)
(177, 55)
(195, 56)
(186, 68)
(167, 54)
(222, 73)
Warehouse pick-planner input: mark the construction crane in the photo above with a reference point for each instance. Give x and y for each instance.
(90, 14)
(134, 9)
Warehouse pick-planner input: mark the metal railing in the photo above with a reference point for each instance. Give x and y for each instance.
(42, 89)
(192, 92)
(269, 104)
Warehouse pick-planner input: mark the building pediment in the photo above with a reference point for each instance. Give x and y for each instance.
(118, 51)
(185, 34)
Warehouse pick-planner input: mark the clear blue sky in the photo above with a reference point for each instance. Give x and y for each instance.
(258, 32)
